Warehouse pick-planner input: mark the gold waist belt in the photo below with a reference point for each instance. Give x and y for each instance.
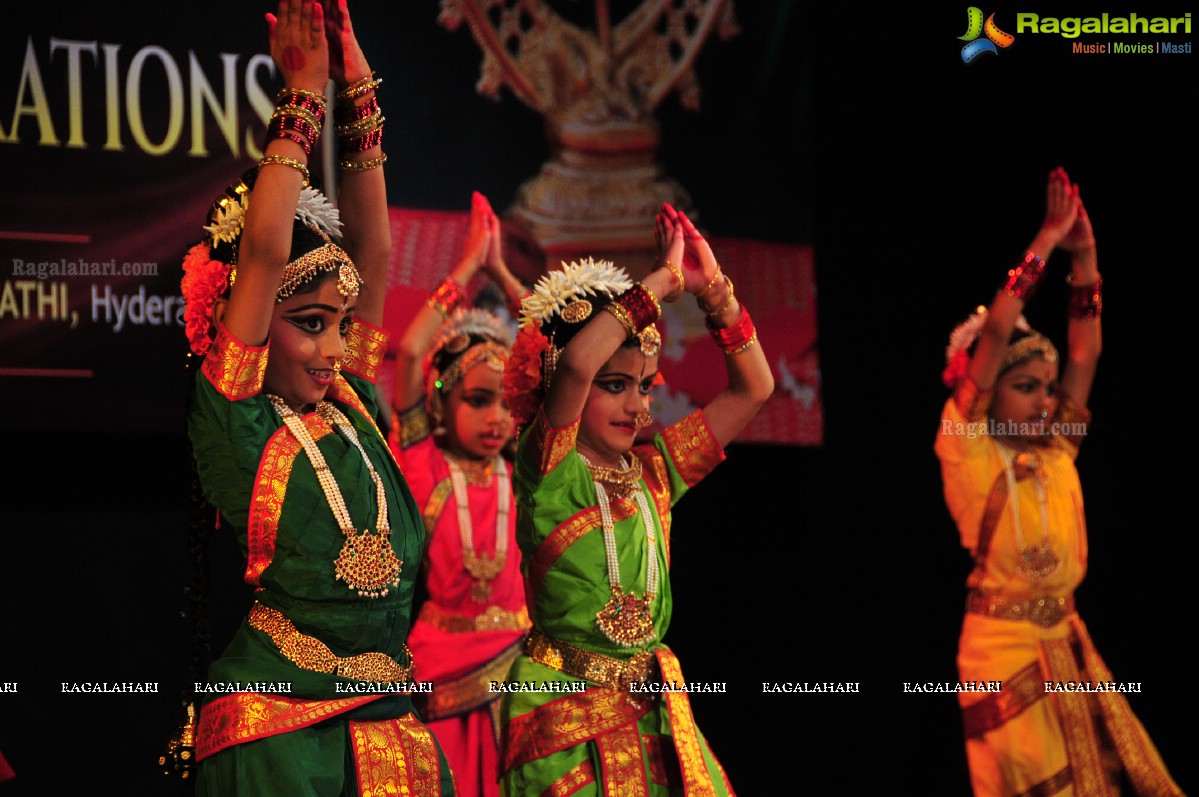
(493, 618)
(1045, 611)
(603, 670)
(309, 653)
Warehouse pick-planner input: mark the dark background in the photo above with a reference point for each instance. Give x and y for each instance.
(918, 180)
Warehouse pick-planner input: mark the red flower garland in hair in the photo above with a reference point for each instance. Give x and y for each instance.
(522, 376)
(204, 281)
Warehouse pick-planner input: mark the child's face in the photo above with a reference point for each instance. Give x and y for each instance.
(307, 336)
(1026, 397)
(478, 423)
(618, 393)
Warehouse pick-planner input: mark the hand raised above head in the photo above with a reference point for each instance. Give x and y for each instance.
(699, 263)
(1061, 205)
(347, 64)
(479, 232)
(1080, 236)
(298, 47)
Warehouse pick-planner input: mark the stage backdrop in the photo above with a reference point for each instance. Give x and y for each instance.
(114, 139)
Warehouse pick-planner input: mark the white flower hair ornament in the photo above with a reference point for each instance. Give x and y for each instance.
(957, 353)
(557, 289)
(315, 210)
(228, 218)
(473, 322)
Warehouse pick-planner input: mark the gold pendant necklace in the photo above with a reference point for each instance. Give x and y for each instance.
(481, 567)
(626, 619)
(367, 563)
(1035, 562)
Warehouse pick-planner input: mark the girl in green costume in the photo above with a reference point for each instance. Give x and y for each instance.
(284, 302)
(589, 707)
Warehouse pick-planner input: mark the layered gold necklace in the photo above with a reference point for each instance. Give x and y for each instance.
(626, 619)
(367, 563)
(482, 568)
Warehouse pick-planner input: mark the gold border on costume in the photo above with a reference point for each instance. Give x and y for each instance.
(570, 783)
(246, 716)
(564, 723)
(1020, 691)
(395, 756)
(468, 692)
(235, 369)
(366, 346)
(566, 535)
(270, 488)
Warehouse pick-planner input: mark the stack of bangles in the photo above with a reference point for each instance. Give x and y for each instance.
(359, 127)
(1085, 301)
(635, 309)
(299, 115)
(738, 336)
(446, 297)
(1022, 280)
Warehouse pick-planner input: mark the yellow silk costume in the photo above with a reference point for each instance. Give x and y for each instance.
(1023, 631)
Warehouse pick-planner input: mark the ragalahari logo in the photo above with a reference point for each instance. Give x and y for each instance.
(995, 38)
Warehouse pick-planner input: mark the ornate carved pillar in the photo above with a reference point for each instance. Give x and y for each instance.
(597, 91)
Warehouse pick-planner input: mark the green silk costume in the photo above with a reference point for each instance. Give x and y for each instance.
(322, 737)
(589, 742)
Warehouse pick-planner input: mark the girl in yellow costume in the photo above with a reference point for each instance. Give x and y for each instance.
(594, 523)
(1007, 443)
(284, 433)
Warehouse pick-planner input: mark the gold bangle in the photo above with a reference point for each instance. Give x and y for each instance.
(361, 126)
(312, 95)
(298, 111)
(727, 301)
(623, 316)
(362, 166)
(708, 287)
(358, 88)
(283, 160)
(673, 296)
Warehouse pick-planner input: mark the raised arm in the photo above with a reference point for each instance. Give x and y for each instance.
(1083, 332)
(599, 339)
(418, 338)
(750, 382)
(1061, 212)
(362, 192)
(299, 49)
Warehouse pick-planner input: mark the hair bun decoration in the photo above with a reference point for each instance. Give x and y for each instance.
(961, 341)
(315, 210)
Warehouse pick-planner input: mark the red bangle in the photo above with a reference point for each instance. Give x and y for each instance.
(349, 112)
(305, 100)
(446, 296)
(361, 143)
(641, 306)
(1085, 301)
(736, 337)
(1022, 280)
(298, 124)
(294, 136)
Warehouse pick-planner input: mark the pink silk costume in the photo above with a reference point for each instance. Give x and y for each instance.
(462, 644)
(1023, 739)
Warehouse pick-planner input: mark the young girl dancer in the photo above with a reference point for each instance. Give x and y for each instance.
(283, 430)
(1015, 495)
(451, 431)
(594, 523)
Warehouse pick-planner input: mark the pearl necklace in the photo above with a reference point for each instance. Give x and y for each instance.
(1036, 562)
(626, 619)
(367, 562)
(481, 567)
